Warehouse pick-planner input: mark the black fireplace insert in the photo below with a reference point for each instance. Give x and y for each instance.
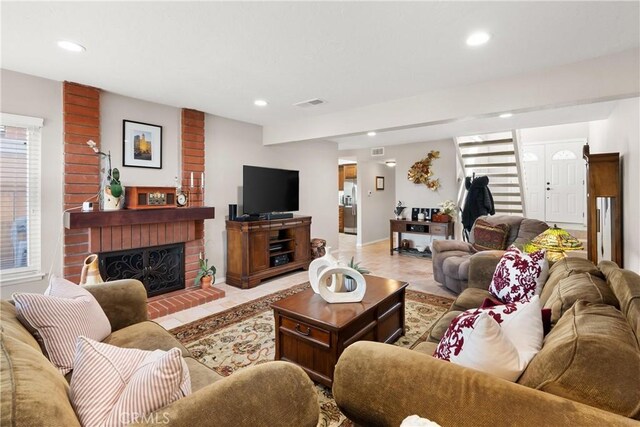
(159, 268)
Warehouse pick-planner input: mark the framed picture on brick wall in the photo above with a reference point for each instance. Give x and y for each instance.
(141, 145)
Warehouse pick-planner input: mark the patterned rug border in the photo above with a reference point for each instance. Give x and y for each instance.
(200, 328)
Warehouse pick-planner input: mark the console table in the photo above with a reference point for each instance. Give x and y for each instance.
(429, 228)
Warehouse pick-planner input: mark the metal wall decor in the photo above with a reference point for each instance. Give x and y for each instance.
(421, 173)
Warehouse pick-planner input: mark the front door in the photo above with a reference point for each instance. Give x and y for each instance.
(534, 178)
(565, 171)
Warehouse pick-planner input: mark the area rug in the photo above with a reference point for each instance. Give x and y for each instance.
(244, 336)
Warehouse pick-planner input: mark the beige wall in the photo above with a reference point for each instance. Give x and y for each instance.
(377, 211)
(230, 144)
(375, 208)
(621, 133)
(32, 96)
(116, 108)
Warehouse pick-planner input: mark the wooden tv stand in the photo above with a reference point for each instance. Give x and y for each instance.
(254, 246)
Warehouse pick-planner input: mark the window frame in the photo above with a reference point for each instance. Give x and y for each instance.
(33, 270)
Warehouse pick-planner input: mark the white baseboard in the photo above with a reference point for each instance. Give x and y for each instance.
(374, 241)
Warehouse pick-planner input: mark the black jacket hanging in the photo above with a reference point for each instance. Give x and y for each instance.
(479, 201)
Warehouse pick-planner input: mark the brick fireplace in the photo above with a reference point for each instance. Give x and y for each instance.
(102, 232)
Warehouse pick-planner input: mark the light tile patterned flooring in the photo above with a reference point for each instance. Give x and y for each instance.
(375, 257)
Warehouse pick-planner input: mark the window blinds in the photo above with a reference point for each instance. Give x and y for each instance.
(20, 209)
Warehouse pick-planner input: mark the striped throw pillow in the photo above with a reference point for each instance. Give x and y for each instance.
(113, 386)
(487, 236)
(57, 318)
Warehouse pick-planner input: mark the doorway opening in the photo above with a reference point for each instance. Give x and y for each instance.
(348, 201)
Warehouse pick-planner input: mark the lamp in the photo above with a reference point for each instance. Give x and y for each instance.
(556, 241)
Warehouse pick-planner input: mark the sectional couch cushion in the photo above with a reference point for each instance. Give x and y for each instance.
(591, 356)
(580, 286)
(34, 392)
(563, 269)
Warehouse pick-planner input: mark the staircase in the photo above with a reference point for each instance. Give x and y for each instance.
(497, 157)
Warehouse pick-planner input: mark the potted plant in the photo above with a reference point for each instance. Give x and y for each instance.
(349, 283)
(448, 209)
(398, 210)
(206, 275)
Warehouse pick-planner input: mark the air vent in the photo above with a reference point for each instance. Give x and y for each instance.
(378, 151)
(310, 103)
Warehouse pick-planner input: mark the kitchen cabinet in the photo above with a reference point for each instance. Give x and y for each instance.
(340, 178)
(340, 219)
(350, 171)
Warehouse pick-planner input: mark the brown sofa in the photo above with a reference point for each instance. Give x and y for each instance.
(34, 393)
(587, 372)
(451, 258)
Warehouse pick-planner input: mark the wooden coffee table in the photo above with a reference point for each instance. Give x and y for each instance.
(313, 333)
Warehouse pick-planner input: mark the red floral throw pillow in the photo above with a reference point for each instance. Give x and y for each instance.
(519, 275)
(499, 340)
(487, 236)
(545, 313)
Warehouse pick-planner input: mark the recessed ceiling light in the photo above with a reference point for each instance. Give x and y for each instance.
(260, 103)
(390, 163)
(478, 38)
(70, 46)
(372, 133)
(505, 115)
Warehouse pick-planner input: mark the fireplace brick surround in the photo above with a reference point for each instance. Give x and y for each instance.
(81, 122)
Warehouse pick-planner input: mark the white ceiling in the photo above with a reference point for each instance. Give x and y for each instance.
(219, 56)
(480, 125)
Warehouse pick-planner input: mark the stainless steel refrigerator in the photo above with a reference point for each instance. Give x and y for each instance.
(350, 206)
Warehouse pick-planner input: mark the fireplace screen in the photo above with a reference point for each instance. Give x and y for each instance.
(160, 268)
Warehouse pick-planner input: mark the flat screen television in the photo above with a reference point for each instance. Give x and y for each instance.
(267, 190)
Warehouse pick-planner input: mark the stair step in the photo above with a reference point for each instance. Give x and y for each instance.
(491, 165)
(508, 210)
(501, 175)
(506, 202)
(489, 154)
(507, 194)
(486, 143)
(504, 184)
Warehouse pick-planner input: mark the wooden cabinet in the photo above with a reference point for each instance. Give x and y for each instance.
(340, 178)
(258, 250)
(350, 171)
(604, 207)
(340, 219)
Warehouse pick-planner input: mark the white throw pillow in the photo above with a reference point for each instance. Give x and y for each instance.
(113, 386)
(416, 421)
(57, 318)
(519, 276)
(499, 340)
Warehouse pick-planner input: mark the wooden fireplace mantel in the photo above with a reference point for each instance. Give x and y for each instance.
(74, 220)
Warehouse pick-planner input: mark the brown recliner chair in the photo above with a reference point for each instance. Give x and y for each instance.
(451, 257)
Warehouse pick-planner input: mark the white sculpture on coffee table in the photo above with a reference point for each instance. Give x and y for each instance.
(339, 274)
(318, 265)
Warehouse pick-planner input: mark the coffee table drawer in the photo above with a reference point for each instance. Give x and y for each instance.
(305, 330)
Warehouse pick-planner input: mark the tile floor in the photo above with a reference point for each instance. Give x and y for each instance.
(375, 257)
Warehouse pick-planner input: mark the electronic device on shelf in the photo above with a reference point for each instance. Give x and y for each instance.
(274, 247)
(138, 197)
(270, 193)
(280, 260)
